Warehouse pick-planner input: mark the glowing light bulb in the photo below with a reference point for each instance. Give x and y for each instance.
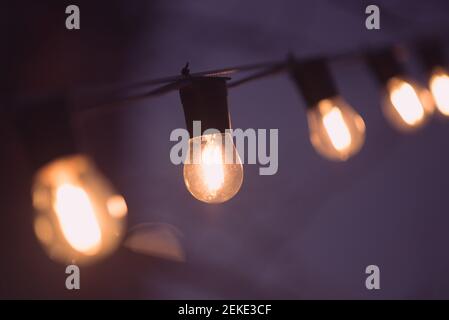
(212, 167)
(407, 105)
(336, 130)
(439, 86)
(79, 216)
(213, 171)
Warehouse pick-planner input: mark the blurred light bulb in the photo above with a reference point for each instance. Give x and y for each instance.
(336, 130)
(213, 171)
(212, 167)
(79, 216)
(407, 104)
(439, 86)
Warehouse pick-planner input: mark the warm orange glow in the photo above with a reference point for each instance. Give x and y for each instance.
(43, 230)
(80, 217)
(117, 206)
(439, 86)
(407, 103)
(77, 219)
(212, 166)
(209, 177)
(337, 129)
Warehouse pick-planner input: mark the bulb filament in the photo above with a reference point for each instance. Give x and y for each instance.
(337, 129)
(77, 219)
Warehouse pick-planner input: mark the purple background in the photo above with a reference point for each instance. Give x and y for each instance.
(308, 231)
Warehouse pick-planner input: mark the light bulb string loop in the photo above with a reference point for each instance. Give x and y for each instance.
(258, 71)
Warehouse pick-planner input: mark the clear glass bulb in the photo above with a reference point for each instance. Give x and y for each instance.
(407, 105)
(213, 171)
(336, 131)
(79, 216)
(439, 87)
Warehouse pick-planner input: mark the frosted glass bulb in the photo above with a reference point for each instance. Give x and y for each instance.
(213, 171)
(439, 87)
(336, 131)
(407, 105)
(79, 217)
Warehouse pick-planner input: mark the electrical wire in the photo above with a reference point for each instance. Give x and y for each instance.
(210, 73)
(174, 83)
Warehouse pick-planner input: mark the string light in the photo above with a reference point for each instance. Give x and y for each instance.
(433, 59)
(406, 104)
(336, 130)
(439, 86)
(79, 216)
(213, 171)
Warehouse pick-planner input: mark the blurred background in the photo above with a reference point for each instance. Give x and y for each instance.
(307, 232)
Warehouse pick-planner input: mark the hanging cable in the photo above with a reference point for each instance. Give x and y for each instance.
(174, 83)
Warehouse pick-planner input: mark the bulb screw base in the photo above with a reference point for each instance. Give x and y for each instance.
(385, 64)
(314, 79)
(431, 53)
(205, 99)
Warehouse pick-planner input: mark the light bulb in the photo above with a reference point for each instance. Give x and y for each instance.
(439, 86)
(79, 216)
(213, 171)
(407, 105)
(336, 130)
